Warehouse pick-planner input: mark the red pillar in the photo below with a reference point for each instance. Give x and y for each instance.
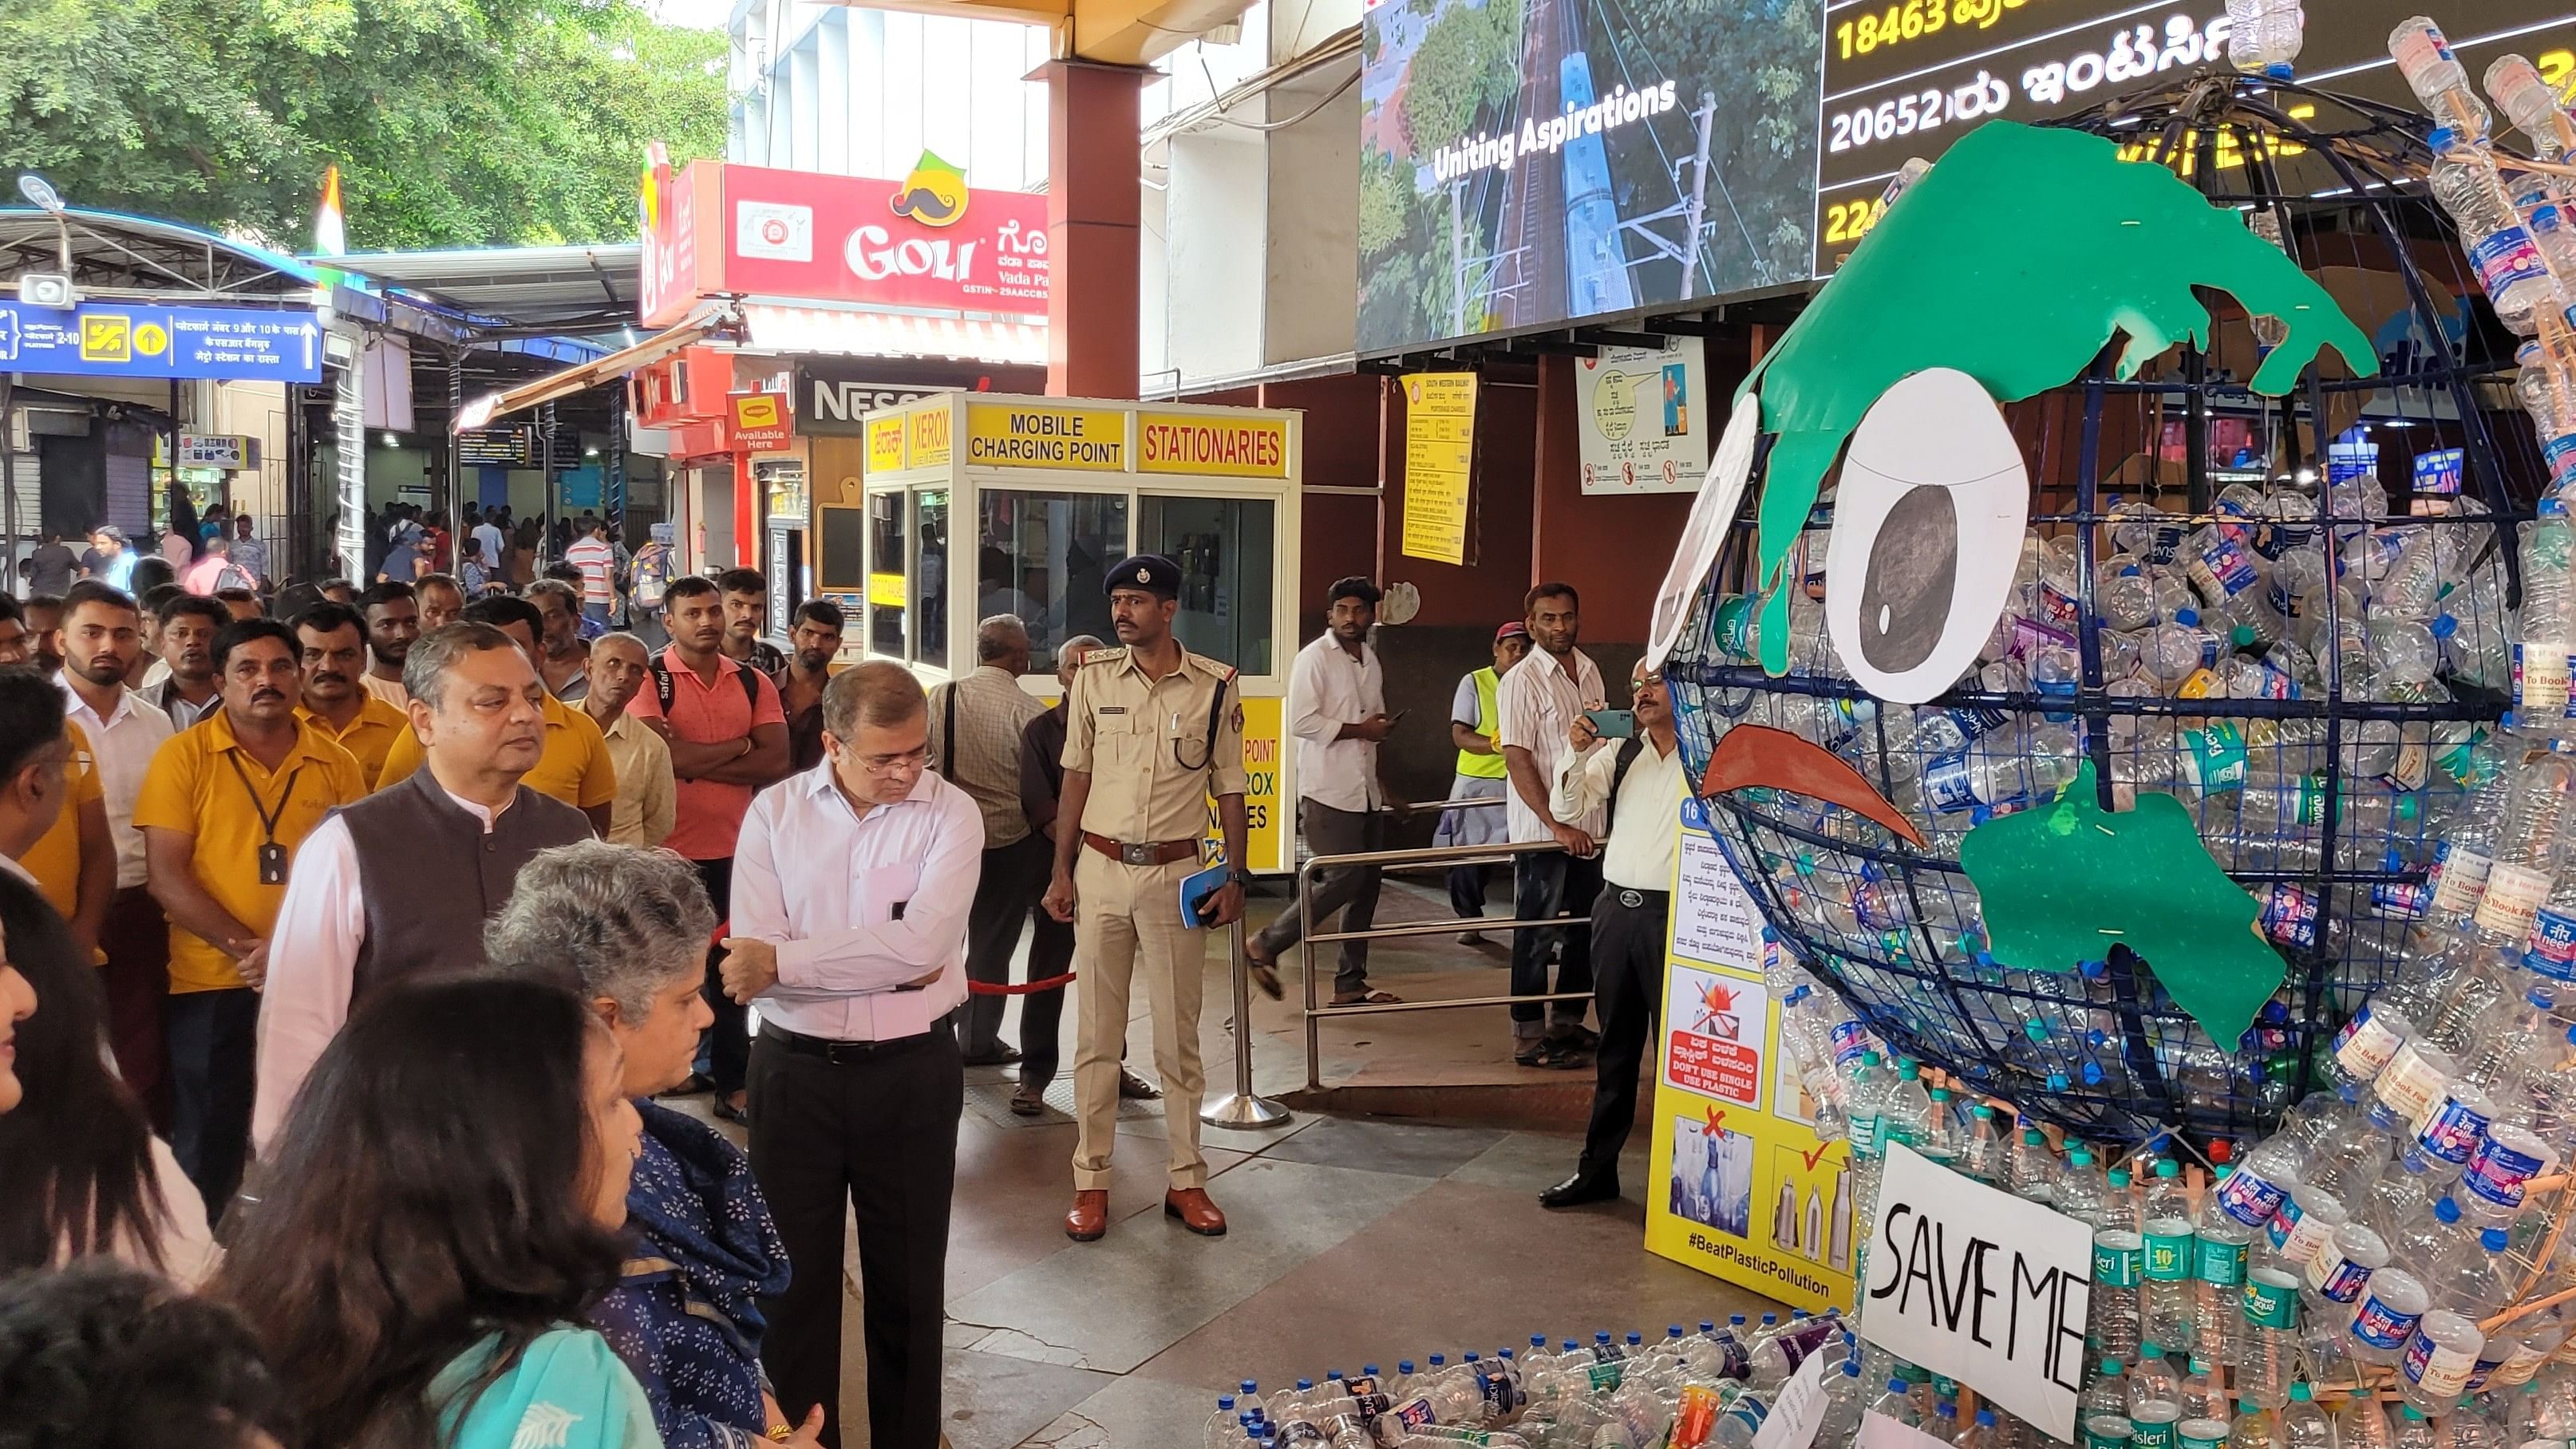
(1093, 229)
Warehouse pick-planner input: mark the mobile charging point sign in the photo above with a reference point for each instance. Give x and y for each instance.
(1980, 1286)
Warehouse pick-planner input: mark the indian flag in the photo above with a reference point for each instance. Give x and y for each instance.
(330, 235)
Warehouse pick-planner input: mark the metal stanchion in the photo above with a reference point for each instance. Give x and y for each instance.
(1241, 1107)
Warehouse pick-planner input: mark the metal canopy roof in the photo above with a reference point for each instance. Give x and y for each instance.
(574, 289)
(114, 251)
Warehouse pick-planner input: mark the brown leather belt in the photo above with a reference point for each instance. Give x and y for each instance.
(1161, 852)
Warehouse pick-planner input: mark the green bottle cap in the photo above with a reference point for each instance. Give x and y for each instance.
(2301, 1393)
(2119, 1177)
(2110, 1366)
(2242, 636)
(2168, 1168)
(2150, 1349)
(2079, 1157)
(1986, 1112)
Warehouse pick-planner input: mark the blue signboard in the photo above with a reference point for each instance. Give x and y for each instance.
(120, 339)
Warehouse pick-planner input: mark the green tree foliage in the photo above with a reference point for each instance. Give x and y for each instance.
(1466, 69)
(454, 122)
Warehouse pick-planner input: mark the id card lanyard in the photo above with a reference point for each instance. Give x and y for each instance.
(272, 856)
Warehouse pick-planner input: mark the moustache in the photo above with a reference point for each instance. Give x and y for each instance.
(262, 696)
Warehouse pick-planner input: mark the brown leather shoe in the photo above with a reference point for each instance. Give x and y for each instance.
(1191, 1206)
(1089, 1220)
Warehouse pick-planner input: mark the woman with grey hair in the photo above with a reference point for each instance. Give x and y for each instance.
(628, 929)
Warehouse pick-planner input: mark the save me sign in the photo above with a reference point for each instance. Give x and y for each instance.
(1980, 1286)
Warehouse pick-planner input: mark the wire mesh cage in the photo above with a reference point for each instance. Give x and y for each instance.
(2322, 737)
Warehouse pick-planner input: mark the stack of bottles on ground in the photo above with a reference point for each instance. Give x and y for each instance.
(1715, 1387)
(2294, 586)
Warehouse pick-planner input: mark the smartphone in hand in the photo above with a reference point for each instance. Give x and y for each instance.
(1613, 724)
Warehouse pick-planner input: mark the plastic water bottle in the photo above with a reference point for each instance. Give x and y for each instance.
(2360, 1424)
(1897, 1404)
(2271, 1308)
(1224, 1427)
(2385, 1315)
(2119, 1268)
(2265, 36)
(2541, 629)
(2303, 1424)
(2225, 1242)
(2508, 263)
(2155, 1400)
(2438, 79)
(1981, 1155)
(2033, 1168)
(2439, 1359)
(2415, 1431)
(1844, 1402)
(2170, 1257)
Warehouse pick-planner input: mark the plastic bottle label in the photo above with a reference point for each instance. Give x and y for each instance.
(2513, 898)
(2410, 1085)
(2401, 900)
(2224, 570)
(2057, 608)
(2250, 1197)
(2030, 636)
(1604, 1376)
(2442, 1372)
(2214, 758)
(2270, 1305)
(2498, 1173)
(2335, 1277)
(2118, 1264)
(2376, 1325)
(2413, 768)
(2451, 1131)
(2521, 1361)
(2364, 1046)
(2506, 259)
(2290, 917)
(2107, 1431)
(1977, 723)
(2540, 678)
(2169, 1256)
(2459, 877)
(2149, 1434)
(1851, 1039)
(2221, 1263)
(1949, 783)
(2552, 943)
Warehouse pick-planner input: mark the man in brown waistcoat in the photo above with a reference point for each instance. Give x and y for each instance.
(400, 884)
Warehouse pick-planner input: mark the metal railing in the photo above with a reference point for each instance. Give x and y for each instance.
(1242, 1107)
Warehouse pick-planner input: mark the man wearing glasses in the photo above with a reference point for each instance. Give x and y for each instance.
(852, 883)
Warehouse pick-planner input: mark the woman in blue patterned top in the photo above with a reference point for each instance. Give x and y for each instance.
(632, 925)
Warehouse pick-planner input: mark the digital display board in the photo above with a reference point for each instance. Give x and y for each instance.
(1906, 79)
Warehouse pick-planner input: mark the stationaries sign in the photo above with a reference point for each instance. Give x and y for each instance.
(1981, 1286)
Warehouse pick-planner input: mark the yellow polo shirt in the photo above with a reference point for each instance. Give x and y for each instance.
(54, 860)
(191, 786)
(370, 735)
(575, 768)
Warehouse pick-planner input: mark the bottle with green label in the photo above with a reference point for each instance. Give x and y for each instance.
(1907, 1117)
(2155, 1401)
(2218, 1320)
(2119, 1266)
(2271, 1302)
(2170, 1255)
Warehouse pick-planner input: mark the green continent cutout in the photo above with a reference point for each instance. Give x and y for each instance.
(2015, 260)
(2064, 883)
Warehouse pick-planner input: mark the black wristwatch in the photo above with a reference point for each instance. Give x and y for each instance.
(1239, 877)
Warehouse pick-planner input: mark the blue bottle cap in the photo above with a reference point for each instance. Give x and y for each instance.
(2447, 1210)
(1225, 1403)
(1249, 1388)
(2493, 1239)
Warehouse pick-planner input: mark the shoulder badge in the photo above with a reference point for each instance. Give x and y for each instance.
(1110, 655)
(1238, 716)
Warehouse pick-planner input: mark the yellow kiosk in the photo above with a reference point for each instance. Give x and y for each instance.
(974, 504)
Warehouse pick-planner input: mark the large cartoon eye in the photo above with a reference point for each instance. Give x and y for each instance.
(1927, 523)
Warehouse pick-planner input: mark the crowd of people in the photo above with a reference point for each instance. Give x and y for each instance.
(352, 938)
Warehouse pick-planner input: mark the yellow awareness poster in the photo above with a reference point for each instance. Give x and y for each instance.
(1741, 1186)
(1439, 450)
(1265, 797)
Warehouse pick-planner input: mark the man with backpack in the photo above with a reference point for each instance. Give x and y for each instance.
(1639, 780)
(728, 738)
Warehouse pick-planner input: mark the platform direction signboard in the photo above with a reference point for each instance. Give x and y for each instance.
(123, 339)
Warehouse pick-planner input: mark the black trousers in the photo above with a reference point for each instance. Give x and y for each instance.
(136, 939)
(1350, 889)
(1467, 891)
(1542, 886)
(726, 1046)
(873, 1128)
(1015, 876)
(1042, 1012)
(213, 1038)
(1630, 930)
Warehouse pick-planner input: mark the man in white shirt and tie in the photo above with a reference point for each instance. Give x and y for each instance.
(1636, 785)
(852, 883)
(1337, 711)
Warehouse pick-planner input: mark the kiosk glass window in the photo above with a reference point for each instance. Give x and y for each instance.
(930, 577)
(1043, 556)
(887, 572)
(1224, 548)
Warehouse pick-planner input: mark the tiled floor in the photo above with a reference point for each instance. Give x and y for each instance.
(1353, 1240)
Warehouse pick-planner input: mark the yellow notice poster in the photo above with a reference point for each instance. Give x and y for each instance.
(885, 445)
(1742, 1188)
(1211, 446)
(1265, 831)
(1026, 435)
(1439, 444)
(928, 439)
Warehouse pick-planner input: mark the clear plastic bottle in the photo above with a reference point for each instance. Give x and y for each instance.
(1907, 1115)
(2438, 79)
(2385, 1315)
(1981, 1154)
(1897, 1404)
(2170, 1257)
(2033, 1169)
(2303, 1424)
(2360, 1423)
(2119, 1270)
(2201, 1392)
(2542, 628)
(2271, 1309)
(2529, 849)
(2155, 1400)
(2439, 1358)
(2254, 1427)
(1224, 1427)
(2225, 1243)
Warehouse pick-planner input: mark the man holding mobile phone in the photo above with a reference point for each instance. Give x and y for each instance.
(1540, 701)
(1337, 711)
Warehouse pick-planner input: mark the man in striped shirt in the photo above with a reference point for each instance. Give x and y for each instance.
(1539, 702)
(596, 557)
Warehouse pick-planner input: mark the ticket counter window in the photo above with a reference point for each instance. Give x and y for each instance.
(888, 574)
(1224, 548)
(930, 577)
(1043, 556)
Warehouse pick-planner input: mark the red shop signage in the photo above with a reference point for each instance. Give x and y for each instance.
(925, 241)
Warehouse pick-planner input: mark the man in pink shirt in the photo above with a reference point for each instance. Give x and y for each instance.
(728, 737)
(209, 573)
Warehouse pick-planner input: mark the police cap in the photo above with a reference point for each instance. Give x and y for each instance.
(1151, 572)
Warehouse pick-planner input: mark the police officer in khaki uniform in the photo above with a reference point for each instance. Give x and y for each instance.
(1153, 730)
